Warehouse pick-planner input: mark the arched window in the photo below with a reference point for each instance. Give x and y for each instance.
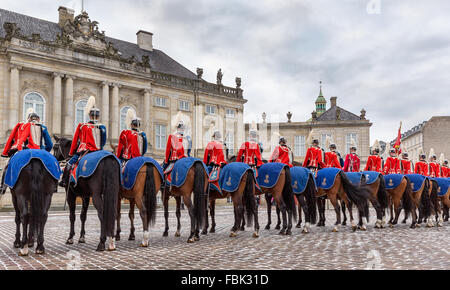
(80, 116)
(123, 116)
(35, 101)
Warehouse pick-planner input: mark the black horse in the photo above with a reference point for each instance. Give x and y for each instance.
(32, 196)
(103, 186)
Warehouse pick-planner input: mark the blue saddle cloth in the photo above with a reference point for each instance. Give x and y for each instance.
(181, 169)
(133, 167)
(269, 173)
(326, 177)
(231, 175)
(300, 177)
(89, 163)
(22, 158)
(443, 185)
(417, 181)
(371, 176)
(354, 177)
(393, 180)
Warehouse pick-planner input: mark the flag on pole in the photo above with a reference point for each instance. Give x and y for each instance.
(397, 144)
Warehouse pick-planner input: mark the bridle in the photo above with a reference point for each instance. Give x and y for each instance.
(65, 158)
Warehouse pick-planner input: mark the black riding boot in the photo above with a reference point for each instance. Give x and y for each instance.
(2, 186)
(66, 175)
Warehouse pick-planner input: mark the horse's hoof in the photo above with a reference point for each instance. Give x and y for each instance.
(391, 226)
(298, 226)
(267, 228)
(191, 241)
(305, 231)
(101, 248)
(69, 241)
(165, 234)
(144, 244)
(404, 222)
(335, 229)
(131, 238)
(23, 252)
(177, 234)
(82, 240)
(418, 225)
(204, 232)
(282, 232)
(31, 245)
(40, 250)
(255, 235)
(196, 238)
(212, 231)
(242, 229)
(439, 224)
(233, 235)
(288, 233)
(278, 227)
(17, 245)
(117, 237)
(344, 224)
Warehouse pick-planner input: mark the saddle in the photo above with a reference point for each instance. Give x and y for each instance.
(168, 172)
(73, 170)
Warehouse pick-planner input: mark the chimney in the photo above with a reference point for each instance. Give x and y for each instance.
(333, 101)
(145, 40)
(65, 14)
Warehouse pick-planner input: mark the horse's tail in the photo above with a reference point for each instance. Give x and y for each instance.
(150, 194)
(110, 193)
(357, 195)
(37, 196)
(311, 200)
(249, 198)
(407, 197)
(434, 196)
(288, 194)
(199, 193)
(382, 196)
(425, 199)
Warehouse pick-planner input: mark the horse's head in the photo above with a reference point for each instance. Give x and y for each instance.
(61, 148)
(114, 147)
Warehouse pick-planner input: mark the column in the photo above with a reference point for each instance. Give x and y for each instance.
(14, 97)
(57, 104)
(115, 113)
(69, 109)
(105, 104)
(147, 108)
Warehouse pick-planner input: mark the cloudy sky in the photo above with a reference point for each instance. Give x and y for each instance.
(395, 63)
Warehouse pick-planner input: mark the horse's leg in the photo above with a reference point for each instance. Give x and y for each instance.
(321, 208)
(303, 205)
(24, 218)
(206, 225)
(414, 214)
(242, 228)
(40, 249)
(299, 224)
(165, 198)
(344, 207)
(144, 217)
(350, 213)
(83, 218)
(98, 203)
(178, 214)
(131, 237)
(212, 203)
(269, 210)
(278, 210)
(337, 209)
(71, 202)
(398, 209)
(188, 203)
(391, 210)
(119, 215)
(18, 221)
(238, 213)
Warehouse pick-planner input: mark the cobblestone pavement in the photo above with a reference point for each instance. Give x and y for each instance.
(398, 248)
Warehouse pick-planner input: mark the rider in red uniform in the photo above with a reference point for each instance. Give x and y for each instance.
(392, 165)
(421, 167)
(132, 142)
(282, 153)
(88, 137)
(445, 169)
(175, 148)
(250, 152)
(435, 168)
(352, 161)
(332, 158)
(375, 162)
(407, 166)
(314, 157)
(214, 156)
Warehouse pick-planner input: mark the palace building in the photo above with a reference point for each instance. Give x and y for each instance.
(339, 124)
(55, 67)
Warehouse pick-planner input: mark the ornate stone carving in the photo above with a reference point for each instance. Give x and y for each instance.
(146, 60)
(11, 30)
(289, 116)
(219, 77)
(338, 113)
(264, 117)
(34, 85)
(83, 93)
(314, 115)
(199, 73)
(238, 83)
(363, 114)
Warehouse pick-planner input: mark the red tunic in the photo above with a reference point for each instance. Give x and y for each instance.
(282, 154)
(407, 166)
(331, 160)
(251, 152)
(174, 149)
(421, 168)
(85, 139)
(214, 152)
(13, 139)
(435, 169)
(392, 166)
(130, 145)
(30, 131)
(352, 163)
(314, 158)
(374, 164)
(445, 172)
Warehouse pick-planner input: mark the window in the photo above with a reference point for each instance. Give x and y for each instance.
(229, 141)
(35, 101)
(184, 105)
(160, 136)
(230, 113)
(348, 140)
(210, 109)
(323, 140)
(161, 102)
(80, 117)
(123, 117)
(299, 146)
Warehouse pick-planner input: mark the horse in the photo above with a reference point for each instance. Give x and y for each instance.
(399, 197)
(442, 193)
(31, 197)
(343, 189)
(196, 182)
(142, 194)
(102, 186)
(421, 197)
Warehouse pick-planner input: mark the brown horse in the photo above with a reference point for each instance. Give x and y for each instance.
(197, 183)
(378, 198)
(344, 190)
(442, 201)
(400, 197)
